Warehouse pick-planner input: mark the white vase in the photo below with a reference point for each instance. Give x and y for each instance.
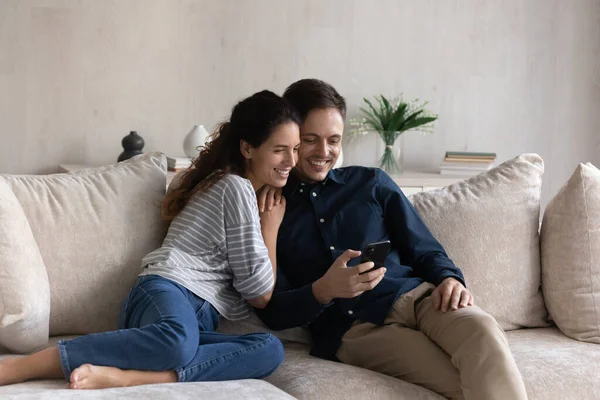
(193, 140)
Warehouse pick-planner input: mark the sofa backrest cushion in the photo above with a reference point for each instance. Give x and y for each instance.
(24, 288)
(93, 228)
(489, 224)
(570, 244)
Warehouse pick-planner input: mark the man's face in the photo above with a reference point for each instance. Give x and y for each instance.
(320, 143)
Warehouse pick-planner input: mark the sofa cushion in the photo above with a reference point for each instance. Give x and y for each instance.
(488, 224)
(93, 228)
(570, 245)
(555, 367)
(307, 377)
(24, 288)
(254, 324)
(229, 390)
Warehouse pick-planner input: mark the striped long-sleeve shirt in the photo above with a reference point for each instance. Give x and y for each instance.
(214, 248)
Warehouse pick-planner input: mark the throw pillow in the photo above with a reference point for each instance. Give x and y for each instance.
(93, 227)
(24, 289)
(570, 245)
(488, 224)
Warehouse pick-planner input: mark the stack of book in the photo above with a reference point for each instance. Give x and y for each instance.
(466, 163)
(178, 163)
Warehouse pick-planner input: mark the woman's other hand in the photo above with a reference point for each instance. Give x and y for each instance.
(271, 218)
(267, 197)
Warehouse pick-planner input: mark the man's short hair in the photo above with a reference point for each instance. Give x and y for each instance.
(310, 94)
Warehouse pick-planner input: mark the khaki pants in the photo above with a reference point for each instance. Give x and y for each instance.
(460, 354)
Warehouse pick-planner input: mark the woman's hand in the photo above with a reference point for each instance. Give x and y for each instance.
(271, 218)
(267, 197)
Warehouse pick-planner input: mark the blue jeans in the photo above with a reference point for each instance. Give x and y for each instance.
(165, 327)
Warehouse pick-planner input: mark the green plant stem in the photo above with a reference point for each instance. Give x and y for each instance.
(388, 162)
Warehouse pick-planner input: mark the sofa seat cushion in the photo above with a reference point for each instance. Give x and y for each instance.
(307, 377)
(489, 224)
(554, 366)
(229, 390)
(93, 228)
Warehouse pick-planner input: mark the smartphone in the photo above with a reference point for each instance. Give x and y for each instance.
(375, 252)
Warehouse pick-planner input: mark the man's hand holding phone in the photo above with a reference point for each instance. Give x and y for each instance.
(341, 281)
(376, 252)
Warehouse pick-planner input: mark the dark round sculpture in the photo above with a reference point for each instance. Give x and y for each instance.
(133, 145)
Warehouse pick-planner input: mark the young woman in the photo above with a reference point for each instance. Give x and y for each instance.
(218, 255)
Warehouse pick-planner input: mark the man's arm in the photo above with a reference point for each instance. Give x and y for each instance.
(410, 236)
(289, 307)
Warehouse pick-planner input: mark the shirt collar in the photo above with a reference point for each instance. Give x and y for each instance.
(294, 182)
(336, 176)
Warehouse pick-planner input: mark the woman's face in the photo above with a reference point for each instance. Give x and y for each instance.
(271, 162)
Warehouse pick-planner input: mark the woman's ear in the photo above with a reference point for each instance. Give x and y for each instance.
(246, 149)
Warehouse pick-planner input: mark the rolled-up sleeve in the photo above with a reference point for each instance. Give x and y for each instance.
(246, 251)
(249, 261)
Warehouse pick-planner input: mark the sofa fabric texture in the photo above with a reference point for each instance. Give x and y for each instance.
(489, 224)
(93, 228)
(24, 287)
(570, 244)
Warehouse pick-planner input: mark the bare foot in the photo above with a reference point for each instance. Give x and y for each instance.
(94, 377)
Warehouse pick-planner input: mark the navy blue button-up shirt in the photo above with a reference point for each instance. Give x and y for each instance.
(352, 207)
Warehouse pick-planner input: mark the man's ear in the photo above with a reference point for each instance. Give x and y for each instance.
(246, 149)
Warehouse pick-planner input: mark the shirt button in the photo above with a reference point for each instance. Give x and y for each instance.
(331, 248)
(314, 194)
(350, 312)
(321, 220)
(301, 190)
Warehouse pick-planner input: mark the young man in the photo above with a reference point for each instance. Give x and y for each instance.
(413, 319)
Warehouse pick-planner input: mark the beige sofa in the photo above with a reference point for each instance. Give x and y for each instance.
(70, 247)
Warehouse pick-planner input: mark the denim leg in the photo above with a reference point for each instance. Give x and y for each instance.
(224, 357)
(161, 332)
(221, 357)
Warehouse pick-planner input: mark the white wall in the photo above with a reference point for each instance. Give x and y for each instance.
(506, 76)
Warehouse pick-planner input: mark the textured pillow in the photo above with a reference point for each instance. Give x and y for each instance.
(488, 224)
(93, 228)
(24, 289)
(570, 244)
